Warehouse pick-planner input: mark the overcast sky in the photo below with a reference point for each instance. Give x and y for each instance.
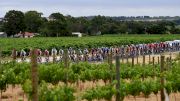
(95, 7)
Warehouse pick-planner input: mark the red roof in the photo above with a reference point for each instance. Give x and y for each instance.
(28, 34)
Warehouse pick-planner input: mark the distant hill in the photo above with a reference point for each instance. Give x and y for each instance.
(139, 18)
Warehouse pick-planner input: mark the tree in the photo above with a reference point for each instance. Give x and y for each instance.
(57, 16)
(157, 29)
(33, 21)
(136, 27)
(97, 22)
(57, 25)
(123, 28)
(102, 24)
(14, 22)
(43, 30)
(78, 24)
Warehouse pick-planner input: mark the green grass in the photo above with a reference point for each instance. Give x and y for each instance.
(7, 44)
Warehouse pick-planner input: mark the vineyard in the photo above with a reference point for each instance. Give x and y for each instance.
(65, 82)
(89, 50)
(7, 45)
(85, 81)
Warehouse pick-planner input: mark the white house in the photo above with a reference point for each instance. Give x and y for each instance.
(1, 19)
(77, 33)
(3, 34)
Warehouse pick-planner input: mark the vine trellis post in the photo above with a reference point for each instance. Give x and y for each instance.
(14, 54)
(149, 59)
(137, 59)
(66, 63)
(118, 78)
(144, 61)
(162, 79)
(110, 59)
(34, 75)
(153, 60)
(133, 61)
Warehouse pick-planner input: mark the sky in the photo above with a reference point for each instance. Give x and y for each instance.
(95, 7)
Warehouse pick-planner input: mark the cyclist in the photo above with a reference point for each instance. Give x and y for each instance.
(46, 54)
(23, 55)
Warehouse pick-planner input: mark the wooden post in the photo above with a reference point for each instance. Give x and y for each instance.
(34, 75)
(162, 79)
(110, 59)
(132, 61)
(85, 57)
(78, 55)
(54, 59)
(170, 57)
(167, 63)
(117, 78)
(127, 61)
(122, 59)
(170, 60)
(137, 60)
(144, 61)
(65, 59)
(153, 62)
(66, 63)
(149, 59)
(158, 60)
(14, 54)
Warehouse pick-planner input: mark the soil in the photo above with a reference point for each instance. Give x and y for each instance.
(17, 94)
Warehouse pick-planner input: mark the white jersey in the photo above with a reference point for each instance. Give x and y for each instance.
(61, 52)
(23, 53)
(53, 51)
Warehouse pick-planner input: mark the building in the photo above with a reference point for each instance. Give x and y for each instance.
(25, 35)
(1, 19)
(77, 33)
(28, 35)
(3, 34)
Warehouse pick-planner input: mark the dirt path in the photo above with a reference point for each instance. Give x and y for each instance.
(14, 94)
(140, 58)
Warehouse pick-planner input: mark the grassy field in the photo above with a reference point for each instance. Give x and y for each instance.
(7, 44)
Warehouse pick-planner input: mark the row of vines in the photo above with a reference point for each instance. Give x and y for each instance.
(58, 83)
(7, 44)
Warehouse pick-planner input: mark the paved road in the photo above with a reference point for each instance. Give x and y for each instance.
(167, 54)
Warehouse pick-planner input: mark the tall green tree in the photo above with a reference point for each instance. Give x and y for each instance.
(43, 30)
(57, 16)
(57, 25)
(78, 24)
(14, 22)
(96, 23)
(33, 21)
